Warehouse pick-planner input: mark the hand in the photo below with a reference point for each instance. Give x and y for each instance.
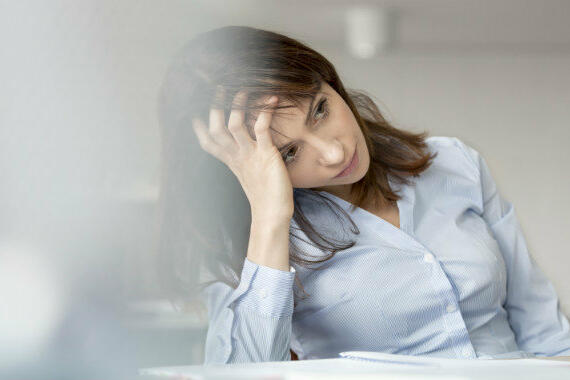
(258, 165)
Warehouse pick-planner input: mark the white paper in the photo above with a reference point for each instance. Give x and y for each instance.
(434, 362)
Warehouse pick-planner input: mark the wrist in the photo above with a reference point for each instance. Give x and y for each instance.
(270, 221)
(269, 243)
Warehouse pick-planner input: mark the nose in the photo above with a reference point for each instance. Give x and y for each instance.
(331, 153)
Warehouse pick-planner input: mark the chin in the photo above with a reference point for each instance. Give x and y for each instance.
(359, 173)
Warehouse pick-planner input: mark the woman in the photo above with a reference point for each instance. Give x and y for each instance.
(435, 262)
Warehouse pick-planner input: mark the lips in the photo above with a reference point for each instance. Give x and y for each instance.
(350, 166)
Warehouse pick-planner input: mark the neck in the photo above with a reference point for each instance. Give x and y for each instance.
(341, 191)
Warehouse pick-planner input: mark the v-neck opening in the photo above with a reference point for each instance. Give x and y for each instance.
(349, 205)
(397, 236)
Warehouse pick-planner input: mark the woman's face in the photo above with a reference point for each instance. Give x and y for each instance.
(317, 152)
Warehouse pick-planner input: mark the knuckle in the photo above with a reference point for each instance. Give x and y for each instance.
(216, 132)
(259, 127)
(234, 127)
(215, 153)
(240, 96)
(200, 139)
(204, 145)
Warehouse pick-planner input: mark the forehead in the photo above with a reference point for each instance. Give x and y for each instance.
(290, 121)
(282, 119)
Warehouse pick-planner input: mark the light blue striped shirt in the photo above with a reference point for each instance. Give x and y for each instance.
(455, 280)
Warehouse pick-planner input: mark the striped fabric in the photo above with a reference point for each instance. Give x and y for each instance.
(455, 280)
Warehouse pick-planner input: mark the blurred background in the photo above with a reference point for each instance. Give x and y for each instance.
(80, 147)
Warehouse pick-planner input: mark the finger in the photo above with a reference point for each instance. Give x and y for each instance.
(217, 122)
(262, 124)
(236, 123)
(206, 141)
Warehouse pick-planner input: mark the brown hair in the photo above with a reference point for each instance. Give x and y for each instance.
(204, 209)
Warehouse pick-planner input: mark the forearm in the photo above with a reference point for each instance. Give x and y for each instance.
(251, 323)
(259, 337)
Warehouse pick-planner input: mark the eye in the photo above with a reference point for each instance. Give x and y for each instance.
(321, 112)
(322, 109)
(286, 155)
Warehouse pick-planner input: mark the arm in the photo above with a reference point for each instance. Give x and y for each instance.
(252, 323)
(532, 303)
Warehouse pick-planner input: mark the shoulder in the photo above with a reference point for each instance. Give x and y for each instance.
(453, 145)
(454, 155)
(453, 178)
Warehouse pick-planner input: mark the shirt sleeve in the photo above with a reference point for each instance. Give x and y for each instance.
(532, 303)
(251, 323)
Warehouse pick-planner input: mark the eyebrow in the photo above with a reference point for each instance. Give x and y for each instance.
(307, 119)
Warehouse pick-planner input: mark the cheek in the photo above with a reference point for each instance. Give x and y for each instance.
(344, 112)
(298, 179)
(345, 123)
(302, 177)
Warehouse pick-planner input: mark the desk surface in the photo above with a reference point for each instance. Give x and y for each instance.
(341, 368)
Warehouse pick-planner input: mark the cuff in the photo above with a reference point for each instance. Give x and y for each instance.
(270, 290)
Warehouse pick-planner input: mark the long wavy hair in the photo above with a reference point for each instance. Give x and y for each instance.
(205, 215)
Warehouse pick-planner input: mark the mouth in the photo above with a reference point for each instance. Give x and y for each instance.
(351, 165)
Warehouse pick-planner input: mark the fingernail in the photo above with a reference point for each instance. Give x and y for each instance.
(273, 99)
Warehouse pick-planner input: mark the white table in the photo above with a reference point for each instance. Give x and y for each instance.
(345, 368)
